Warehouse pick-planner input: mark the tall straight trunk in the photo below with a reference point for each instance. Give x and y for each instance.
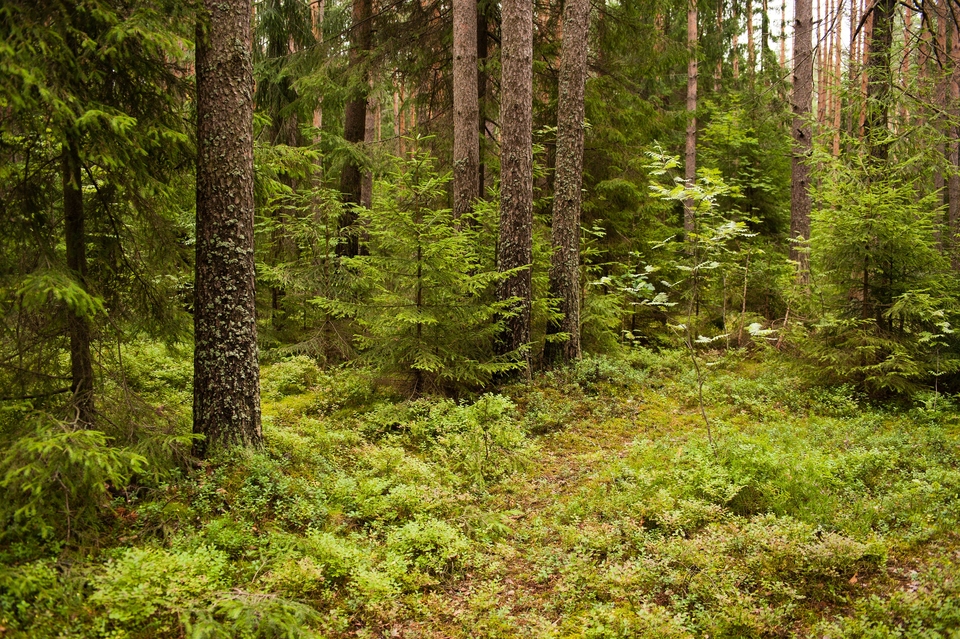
(764, 33)
(483, 41)
(953, 148)
(226, 387)
(783, 34)
(515, 245)
(317, 14)
(354, 124)
(751, 53)
(800, 203)
(818, 60)
(466, 108)
(78, 325)
(837, 80)
(565, 267)
(718, 71)
(735, 63)
(371, 135)
(879, 79)
(690, 154)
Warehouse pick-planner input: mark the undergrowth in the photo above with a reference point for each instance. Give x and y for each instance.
(586, 504)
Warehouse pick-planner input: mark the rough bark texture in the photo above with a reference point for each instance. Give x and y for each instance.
(879, 79)
(354, 125)
(690, 156)
(565, 267)
(466, 109)
(515, 246)
(483, 40)
(953, 149)
(78, 326)
(800, 204)
(226, 396)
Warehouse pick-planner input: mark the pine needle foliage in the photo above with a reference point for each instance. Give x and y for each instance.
(422, 298)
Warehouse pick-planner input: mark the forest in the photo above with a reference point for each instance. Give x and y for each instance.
(478, 318)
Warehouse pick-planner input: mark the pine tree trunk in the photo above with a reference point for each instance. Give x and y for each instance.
(953, 149)
(483, 41)
(466, 108)
(690, 155)
(515, 246)
(226, 404)
(354, 125)
(800, 204)
(879, 79)
(565, 271)
(78, 326)
(764, 33)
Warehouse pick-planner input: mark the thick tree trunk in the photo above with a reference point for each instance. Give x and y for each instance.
(354, 125)
(515, 246)
(800, 204)
(690, 155)
(466, 108)
(565, 271)
(78, 326)
(226, 395)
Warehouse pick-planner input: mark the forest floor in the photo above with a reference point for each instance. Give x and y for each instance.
(592, 502)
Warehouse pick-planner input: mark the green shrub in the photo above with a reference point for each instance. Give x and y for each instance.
(57, 477)
(428, 546)
(152, 589)
(289, 377)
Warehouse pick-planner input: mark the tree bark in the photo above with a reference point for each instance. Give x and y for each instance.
(879, 79)
(226, 399)
(800, 203)
(565, 271)
(690, 155)
(78, 325)
(953, 148)
(483, 40)
(466, 108)
(354, 125)
(515, 246)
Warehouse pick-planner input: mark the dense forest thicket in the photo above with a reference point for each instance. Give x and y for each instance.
(422, 318)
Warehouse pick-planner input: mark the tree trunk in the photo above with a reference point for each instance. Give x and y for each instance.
(953, 149)
(879, 79)
(483, 40)
(354, 125)
(466, 108)
(690, 156)
(565, 271)
(226, 395)
(515, 246)
(78, 325)
(800, 204)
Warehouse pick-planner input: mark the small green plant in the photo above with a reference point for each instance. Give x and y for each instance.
(708, 250)
(422, 297)
(57, 477)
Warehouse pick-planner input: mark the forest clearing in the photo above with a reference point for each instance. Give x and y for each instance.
(479, 318)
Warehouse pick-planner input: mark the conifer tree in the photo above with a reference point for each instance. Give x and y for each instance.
(800, 203)
(515, 245)
(565, 271)
(466, 110)
(226, 409)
